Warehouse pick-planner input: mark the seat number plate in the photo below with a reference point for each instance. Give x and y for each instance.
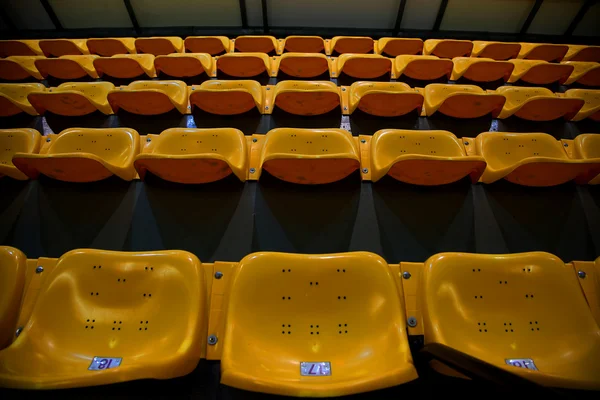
(102, 363)
(526, 363)
(315, 368)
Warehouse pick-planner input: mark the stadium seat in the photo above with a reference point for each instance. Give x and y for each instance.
(448, 48)
(305, 156)
(303, 44)
(590, 283)
(22, 140)
(110, 318)
(183, 65)
(212, 45)
(302, 65)
(150, 97)
(350, 44)
(462, 101)
(20, 48)
(13, 98)
(480, 69)
(244, 65)
(539, 72)
(317, 339)
(582, 53)
(424, 68)
(107, 47)
(13, 265)
(68, 67)
(63, 47)
(256, 44)
(587, 147)
(227, 97)
(16, 68)
(159, 46)
(126, 66)
(399, 46)
(584, 73)
(73, 99)
(383, 99)
(518, 312)
(530, 159)
(543, 51)
(591, 105)
(363, 66)
(186, 155)
(83, 155)
(303, 98)
(495, 50)
(537, 104)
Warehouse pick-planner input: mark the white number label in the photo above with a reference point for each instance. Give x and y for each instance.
(526, 363)
(315, 369)
(102, 363)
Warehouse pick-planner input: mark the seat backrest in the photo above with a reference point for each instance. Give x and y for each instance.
(12, 281)
(308, 142)
(587, 146)
(97, 91)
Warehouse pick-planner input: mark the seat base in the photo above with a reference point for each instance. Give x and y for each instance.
(189, 171)
(391, 104)
(435, 172)
(307, 103)
(223, 103)
(67, 169)
(311, 171)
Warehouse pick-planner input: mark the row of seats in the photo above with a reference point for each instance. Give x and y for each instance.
(304, 156)
(305, 98)
(444, 48)
(292, 324)
(300, 65)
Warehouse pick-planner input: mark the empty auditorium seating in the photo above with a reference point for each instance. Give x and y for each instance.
(107, 47)
(83, 155)
(13, 98)
(421, 157)
(150, 97)
(582, 53)
(21, 140)
(448, 48)
(495, 50)
(303, 98)
(305, 156)
(591, 105)
(73, 99)
(183, 65)
(256, 44)
(13, 264)
(63, 47)
(423, 67)
(20, 48)
(16, 68)
(584, 73)
(399, 46)
(244, 65)
(68, 67)
(537, 104)
(587, 147)
(350, 44)
(539, 72)
(303, 44)
(383, 99)
(302, 65)
(212, 45)
(186, 155)
(543, 51)
(159, 46)
(462, 101)
(363, 66)
(126, 66)
(481, 69)
(227, 97)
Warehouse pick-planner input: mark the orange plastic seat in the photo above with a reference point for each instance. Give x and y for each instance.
(384, 99)
(159, 46)
(583, 53)
(73, 99)
(107, 47)
(543, 51)
(584, 73)
(20, 48)
(244, 65)
(304, 44)
(63, 47)
(13, 264)
(227, 97)
(16, 68)
(305, 156)
(303, 97)
(22, 140)
(448, 48)
(399, 46)
(363, 66)
(83, 155)
(303, 65)
(186, 155)
(67, 67)
(495, 50)
(183, 65)
(13, 98)
(539, 72)
(462, 101)
(481, 69)
(351, 44)
(256, 44)
(150, 97)
(126, 66)
(587, 147)
(591, 105)
(537, 104)
(212, 45)
(423, 67)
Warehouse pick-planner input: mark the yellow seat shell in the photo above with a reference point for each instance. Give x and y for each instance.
(13, 98)
(461, 101)
(16, 68)
(107, 47)
(384, 99)
(126, 66)
(227, 97)
(13, 265)
(73, 99)
(537, 104)
(150, 97)
(21, 140)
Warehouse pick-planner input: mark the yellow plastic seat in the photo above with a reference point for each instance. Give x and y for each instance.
(587, 147)
(591, 105)
(582, 53)
(111, 317)
(530, 159)
(107, 47)
(304, 98)
(227, 97)
(64, 47)
(539, 72)
(537, 104)
(423, 67)
(448, 48)
(590, 283)
(159, 46)
(303, 65)
(16, 68)
(495, 50)
(543, 51)
(22, 140)
(351, 44)
(13, 264)
(526, 306)
(422, 157)
(13, 98)
(150, 97)
(83, 155)
(126, 66)
(481, 69)
(461, 101)
(364, 66)
(20, 48)
(312, 324)
(244, 65)
(384, 99)
(304, 44)
(73, 99)
(307, 156)
(68, 67)
(399, 46)
(584, 73)
(182, 65)
(256, 44)
(186, 155)
(212, 45)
